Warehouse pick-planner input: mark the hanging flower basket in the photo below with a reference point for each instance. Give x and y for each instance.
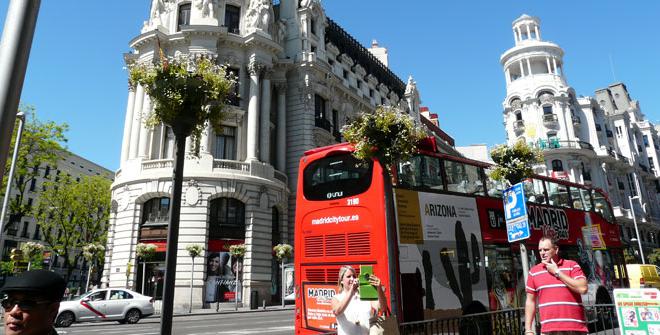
(186, 93)
(386, 134)
(514, 163)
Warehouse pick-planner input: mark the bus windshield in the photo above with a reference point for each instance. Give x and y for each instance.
(335, 177)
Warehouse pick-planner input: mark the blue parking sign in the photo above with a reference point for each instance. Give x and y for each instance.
(515, 213)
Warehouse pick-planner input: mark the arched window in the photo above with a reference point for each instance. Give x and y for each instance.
(184, 16)
(518, 116)
(156, 211)
(227, 219)
(557, 165)
(275, 228)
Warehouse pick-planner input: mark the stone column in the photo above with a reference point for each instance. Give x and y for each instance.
(529, 34)
(554, 66)
(538, 35)
(204, 141)
(547, 62)
(529, 67)
(144, 130)
(518, 33)
(128, 123)
(137, 122)
(264, 139)
(253, 110)
(515, 36)
(522, 69)
(281, 126)
(507, 75)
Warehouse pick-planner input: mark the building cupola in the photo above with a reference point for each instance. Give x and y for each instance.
(526, 28)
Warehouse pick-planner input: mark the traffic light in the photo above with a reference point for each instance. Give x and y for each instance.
(16, 255)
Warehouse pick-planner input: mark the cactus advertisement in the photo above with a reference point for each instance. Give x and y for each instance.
(440, 238)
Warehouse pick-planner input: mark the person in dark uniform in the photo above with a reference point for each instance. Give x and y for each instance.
(31, 301)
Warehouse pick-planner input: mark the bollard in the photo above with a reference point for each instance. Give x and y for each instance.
(263, 304)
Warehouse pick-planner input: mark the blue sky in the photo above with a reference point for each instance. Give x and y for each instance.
(452, 49)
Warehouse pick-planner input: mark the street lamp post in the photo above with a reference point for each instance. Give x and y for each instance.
(639, 241)
(21, 119)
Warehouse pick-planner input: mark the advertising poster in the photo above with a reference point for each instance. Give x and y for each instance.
(440, 251)
(638, 311)
(220, 283)
(593, 235)
(317, 302)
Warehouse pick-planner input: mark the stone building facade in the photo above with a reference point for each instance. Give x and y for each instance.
(604, 141)
(301, 77)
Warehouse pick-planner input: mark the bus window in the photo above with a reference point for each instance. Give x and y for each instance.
(534, 191)
(603, 206)
(586, 198)
(421, 172)
(557, 194)
(336, 177)
(463, 178)
(578, 202)
(495, 188)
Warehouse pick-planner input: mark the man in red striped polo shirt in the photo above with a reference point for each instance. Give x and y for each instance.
(558, 284)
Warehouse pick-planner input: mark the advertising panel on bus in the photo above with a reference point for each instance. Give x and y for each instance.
(440, 251)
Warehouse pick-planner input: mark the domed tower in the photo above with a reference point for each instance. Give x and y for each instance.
(540, 108)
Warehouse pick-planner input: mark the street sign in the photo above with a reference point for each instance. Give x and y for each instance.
(515, 213)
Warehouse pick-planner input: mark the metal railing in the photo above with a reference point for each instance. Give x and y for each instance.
(557, 144)
(601, 320)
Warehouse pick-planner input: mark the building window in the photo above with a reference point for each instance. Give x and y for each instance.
(547, 110)
(184, 16)
(26, 227)
(645, 138)
(345, 73)
(33, 184)
(168, 143)
(312, 27)
(651, 165)
(227, 219)
(37, 234)
(320, 118)
(598, 128)
(618, 131)
(47, 171)
(232, 19)
(518, 116)
(275, 226)
(586, 174)
(631, 184)
(557, 165)
(225, 143)
(156, 211)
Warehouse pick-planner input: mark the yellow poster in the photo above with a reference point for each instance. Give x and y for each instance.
(593, 235)
(410, 225)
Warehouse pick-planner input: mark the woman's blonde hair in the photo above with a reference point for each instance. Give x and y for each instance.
(342, 272)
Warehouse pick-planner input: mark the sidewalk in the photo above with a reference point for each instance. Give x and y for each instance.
(224, 308)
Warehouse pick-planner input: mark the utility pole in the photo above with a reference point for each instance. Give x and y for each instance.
(14, 53)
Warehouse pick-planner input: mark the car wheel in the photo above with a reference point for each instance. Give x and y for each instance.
(65, 319)
(132, 316)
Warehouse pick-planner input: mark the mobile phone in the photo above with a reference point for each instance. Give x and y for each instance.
(367, 291)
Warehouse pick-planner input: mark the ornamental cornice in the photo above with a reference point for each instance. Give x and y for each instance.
(359, 70)
(371, 79)
(255, 40)
(344, 58)
(331, 49)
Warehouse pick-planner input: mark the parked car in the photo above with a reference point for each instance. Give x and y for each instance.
(643, 275)
(110, 304)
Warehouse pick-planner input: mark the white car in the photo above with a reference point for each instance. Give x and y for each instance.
(110, 304)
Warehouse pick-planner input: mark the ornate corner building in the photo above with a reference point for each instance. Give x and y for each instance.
(301, 77)
(604, 141)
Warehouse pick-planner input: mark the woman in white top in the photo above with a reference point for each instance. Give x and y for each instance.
(353, 315)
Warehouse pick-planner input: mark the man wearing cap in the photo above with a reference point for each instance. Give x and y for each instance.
(31, 302)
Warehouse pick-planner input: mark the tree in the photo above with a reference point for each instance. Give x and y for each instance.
(93, 253)
(654, 257)
(514, 163)
(188, 93)
(194, 250)
(72, 215)
(33, 253)
(41, 145)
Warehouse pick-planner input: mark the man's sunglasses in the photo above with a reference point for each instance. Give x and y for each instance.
(24, 305)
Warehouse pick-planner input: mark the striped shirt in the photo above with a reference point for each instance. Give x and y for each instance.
(560, 308)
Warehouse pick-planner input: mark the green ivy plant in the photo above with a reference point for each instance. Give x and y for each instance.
(186, 92)
(386, 134)
(514, 163)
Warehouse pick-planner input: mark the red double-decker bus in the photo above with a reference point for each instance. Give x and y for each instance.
(436, 235)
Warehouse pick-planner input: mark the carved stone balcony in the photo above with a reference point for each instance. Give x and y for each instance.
(550, 120)
(519, 126)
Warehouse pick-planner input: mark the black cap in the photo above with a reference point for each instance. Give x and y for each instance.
(43, 283)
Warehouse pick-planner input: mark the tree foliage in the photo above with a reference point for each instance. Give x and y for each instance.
(41, 144)
(654, 257)
(187, 93)
(386, 134)
(514, 163)
(72, 215)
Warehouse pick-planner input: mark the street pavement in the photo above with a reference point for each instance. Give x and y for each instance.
(274, 322)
